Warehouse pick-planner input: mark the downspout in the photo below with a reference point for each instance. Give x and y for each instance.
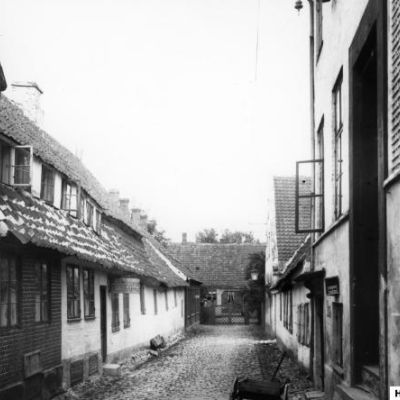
(312, 130)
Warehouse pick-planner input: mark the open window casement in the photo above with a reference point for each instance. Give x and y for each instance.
(22, 161)
(70, 198)
(309, 206)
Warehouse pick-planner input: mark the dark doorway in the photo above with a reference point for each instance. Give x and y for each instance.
(103, 322)
(319, 367)
(364, 205)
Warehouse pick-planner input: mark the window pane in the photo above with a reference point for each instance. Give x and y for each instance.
(37, 307)
(45, 311)
(22, 166)
(3, 314)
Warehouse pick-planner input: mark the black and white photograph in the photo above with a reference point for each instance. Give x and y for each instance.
(199, 199)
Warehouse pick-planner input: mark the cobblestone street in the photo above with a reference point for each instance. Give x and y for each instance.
(202, 366)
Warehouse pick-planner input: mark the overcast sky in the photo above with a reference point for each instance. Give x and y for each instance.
(164, 100)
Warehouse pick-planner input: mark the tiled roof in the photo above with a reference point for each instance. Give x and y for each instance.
(18, 127)
(32, 220)
(287, 239)
(217, 265)
(301, 254)
(165, 274)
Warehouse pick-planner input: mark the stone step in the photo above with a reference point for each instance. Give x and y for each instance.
(370, 378)
(112, 369)
(354, 393)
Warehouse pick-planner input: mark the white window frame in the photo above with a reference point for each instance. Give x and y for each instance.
(14, 148)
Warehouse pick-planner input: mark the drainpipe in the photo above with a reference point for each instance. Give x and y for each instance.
(312, 131)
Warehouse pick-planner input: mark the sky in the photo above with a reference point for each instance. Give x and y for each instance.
(169, 101)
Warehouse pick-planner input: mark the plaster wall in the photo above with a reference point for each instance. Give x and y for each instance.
(393, 283)
(340, 22)
(332, 254)
(36, 177)
(284, 337)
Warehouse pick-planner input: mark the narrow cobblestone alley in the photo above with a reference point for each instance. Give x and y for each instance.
(203, 366)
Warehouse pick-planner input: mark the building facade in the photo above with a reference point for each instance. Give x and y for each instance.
(353, 277)
(80, 283)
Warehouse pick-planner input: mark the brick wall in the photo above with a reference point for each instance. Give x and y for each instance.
(30, 336)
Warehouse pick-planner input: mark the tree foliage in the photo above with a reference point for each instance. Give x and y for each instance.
(238, 237)
(207, 236)
(159, 235)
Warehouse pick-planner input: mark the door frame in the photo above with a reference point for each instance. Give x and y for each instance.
(103, 322)
(375, 17)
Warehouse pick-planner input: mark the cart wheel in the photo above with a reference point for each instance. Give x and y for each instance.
(235, 390)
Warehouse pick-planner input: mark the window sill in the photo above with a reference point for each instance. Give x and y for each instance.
(338, 370)
(72, 320)
(90, 317)
(115, 329)
(332, 228)
(127, 326)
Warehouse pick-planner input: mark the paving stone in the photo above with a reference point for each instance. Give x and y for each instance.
(203, 367)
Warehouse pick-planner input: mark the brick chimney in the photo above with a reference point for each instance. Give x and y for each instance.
(114, 196)
(27, 96)
(124, 207)
(184, 238)
(135, 216)
(143, 222)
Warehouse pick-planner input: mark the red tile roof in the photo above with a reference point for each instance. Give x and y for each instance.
(217, 265)
(287, 239)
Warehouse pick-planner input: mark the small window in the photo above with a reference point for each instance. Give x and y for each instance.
(5, 164)
(127, 319)
(175, 298)
(166, 299)
(42, 293)
(47, 187)
(155, 301)
(22, 167)
(70, 198)
(338, 156)
(303, 324)
(88, 293)
(115, 312)
(8, 291)
(88, 213)
(142, 299)
(97, 221)
(73, 292)
(288, 311)
(337, 310)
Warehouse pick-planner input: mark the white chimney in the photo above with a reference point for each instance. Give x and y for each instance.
(114, 197)
(27, 96)
(124, 207)
(143, 222)
(135, 216)
(184, 238)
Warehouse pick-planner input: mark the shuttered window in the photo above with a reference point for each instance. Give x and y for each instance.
(47, 184)
(88, 293)
(115, 324)
(142, 299)
(73, 292)
(127, 318)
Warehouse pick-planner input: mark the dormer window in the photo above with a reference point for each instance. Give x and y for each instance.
(97, 221)
(47, 186)
(70, 198)
(22, 165)
(88, 213)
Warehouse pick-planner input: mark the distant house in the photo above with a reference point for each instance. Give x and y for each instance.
(287, 309)
(80, 283)
(222, 270)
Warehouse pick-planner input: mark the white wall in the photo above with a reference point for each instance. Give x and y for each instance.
(81, 337)
(289, 340)
(340, 21)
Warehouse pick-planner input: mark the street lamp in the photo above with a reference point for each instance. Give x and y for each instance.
(254, 274)
(298, 5)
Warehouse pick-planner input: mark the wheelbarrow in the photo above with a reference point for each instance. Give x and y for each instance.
(246, 388)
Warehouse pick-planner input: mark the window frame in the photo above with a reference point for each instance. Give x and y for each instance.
(74, 293)
(142, 299)
(44, 296)
(337, 106)
(115, 321)
(10, 324)
(89, 305)
(166, 300)
(47, 186)
(126, 310)
(337, 332)
(155, 300)
(66, 197)
(14, 166)
(5, 164)
(319, 27)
